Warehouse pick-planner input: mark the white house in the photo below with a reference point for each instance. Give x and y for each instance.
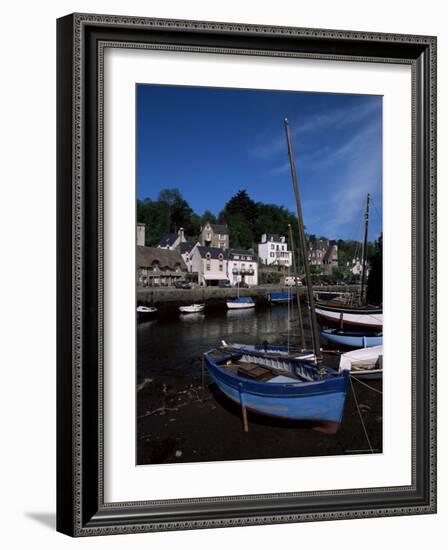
(242, 267)
(186, 250)
(356, 267)
(273, 250)
(210, 263)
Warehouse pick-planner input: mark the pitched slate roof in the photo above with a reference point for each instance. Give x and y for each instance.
(213, 251)
(273, 237)
(187, 246)
(146, 256)
(168, 239)
(248, 254)
(219, 229)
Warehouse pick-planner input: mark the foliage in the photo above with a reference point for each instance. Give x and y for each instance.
(166, 215)
(270, 277)
(375, 280)
(247, 222)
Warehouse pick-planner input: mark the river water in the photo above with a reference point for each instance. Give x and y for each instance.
(182, 417)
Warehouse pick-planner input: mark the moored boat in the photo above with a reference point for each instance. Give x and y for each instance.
(363, 363)
(242, 302)
(353, 339)
(281, 387)
(193, 308)
(146, 310)
(365, 319)
(269, 349)
(280, 297)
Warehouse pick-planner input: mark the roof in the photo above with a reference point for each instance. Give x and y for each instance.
(273, 237)
(187, 246)
(249, 255)
(219, 229)
(213, 251)
(168, 239)
(167, 259)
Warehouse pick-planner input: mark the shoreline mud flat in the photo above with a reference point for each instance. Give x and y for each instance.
(180, 421)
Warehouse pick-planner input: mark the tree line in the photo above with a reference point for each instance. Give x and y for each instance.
(247, 220)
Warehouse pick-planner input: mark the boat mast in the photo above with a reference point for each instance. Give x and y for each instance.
(309, 286)
(364, 249)
(296, 283)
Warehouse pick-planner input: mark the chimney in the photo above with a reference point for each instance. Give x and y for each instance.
(140, 234)
(181, 234)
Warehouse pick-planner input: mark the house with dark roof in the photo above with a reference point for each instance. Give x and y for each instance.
(273, 250)
(214, 235)
(242, 267)
(159, 266)
(172, 240)
(210, 263)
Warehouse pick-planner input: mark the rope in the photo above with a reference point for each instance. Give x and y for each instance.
(366, 385)
(360, 416)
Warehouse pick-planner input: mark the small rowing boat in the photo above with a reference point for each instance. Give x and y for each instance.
(242, 302)
(146, 310)
(280, 387)
(193, 308)
(363, 363)
(353, 339)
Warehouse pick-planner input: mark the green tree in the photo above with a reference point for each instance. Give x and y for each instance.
(208, 216)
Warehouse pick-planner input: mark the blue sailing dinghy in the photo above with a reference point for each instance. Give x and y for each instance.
(280, 387)
(353, 339)
(279, 297)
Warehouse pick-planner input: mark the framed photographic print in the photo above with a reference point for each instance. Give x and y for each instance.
(246, 274)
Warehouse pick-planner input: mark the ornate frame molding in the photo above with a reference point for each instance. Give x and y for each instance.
(81, 42)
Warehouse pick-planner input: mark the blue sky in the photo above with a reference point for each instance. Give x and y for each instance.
(212, 142)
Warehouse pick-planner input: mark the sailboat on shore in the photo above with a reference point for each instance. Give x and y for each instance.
(358, 316)
(280, 385)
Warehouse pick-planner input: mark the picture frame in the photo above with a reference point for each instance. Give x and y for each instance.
(81, 507)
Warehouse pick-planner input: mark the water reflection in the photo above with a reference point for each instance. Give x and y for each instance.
(174, 345)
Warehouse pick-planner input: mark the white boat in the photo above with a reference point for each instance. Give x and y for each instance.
(146, 310)
(243, 302)
(362, 319)
(363, 363)
(193, 308)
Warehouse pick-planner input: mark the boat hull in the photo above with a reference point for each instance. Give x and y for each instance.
(240, 305)
(280, 297)
(352, 340)
(197, 308)
(367, 321)
(320, 403)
